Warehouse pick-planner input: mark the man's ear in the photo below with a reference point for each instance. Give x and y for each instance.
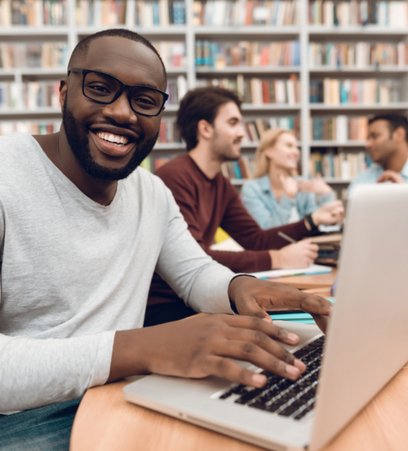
(399, 134)
(63, 91)
(204, 129)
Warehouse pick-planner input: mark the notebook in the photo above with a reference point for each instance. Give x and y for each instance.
(278, 273)
(369, 320)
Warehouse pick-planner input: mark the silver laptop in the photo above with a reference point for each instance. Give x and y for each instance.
(365, 346)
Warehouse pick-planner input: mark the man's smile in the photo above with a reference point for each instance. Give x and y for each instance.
(112, 144)
(113, 139)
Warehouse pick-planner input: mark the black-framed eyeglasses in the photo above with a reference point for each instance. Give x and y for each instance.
(105, 89)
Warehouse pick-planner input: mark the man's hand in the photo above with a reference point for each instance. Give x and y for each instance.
(390, 176)
(296, 255)
(330, 213)
(255, 297)
(204, 345)
(317, 186)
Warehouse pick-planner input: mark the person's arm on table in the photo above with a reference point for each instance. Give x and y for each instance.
(203, 346)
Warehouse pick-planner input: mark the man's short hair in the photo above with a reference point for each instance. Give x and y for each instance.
(82, 47)
(198, 104)
(394, 121)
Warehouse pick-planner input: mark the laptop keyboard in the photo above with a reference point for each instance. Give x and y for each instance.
(283, 396)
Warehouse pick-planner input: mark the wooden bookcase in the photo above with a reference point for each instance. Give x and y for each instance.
(72, 24)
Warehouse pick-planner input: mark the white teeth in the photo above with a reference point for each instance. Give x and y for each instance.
(117, 139)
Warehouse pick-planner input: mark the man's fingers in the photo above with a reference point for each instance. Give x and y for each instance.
(260, 332)
(223, 367)
(253, 310)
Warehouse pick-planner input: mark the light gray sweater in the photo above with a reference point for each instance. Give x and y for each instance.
(73, 272)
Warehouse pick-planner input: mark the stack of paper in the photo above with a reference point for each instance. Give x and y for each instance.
(278, 273)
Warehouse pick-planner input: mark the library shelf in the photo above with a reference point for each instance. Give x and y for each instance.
(374, 70)
(189, 32)
(247, 30)
(269, 70)
(328, 143)
(373, 107)
(363, 30)
(247, 107)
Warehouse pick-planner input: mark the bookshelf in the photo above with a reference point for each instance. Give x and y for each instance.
(318, 66)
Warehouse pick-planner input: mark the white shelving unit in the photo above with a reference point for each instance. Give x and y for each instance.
(71, 33)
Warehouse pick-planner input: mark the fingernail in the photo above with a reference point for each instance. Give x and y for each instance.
(292, 337)
(259, 380)
(268, 319)
(292, 371)
(299, 364)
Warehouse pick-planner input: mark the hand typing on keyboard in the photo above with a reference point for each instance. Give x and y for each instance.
(255, 299)
(206, 345)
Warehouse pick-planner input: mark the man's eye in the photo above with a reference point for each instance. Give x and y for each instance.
(98, 88)
(144, 100)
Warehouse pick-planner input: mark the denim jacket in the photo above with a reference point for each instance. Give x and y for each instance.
(268, 211)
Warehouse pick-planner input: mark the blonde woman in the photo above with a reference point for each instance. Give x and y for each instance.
(274, 197)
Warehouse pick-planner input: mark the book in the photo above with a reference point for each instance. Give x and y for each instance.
(279, 273)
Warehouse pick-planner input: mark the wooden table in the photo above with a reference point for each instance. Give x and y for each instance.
(106, 422)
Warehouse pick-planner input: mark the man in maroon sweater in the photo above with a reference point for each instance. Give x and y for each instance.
(210, 122)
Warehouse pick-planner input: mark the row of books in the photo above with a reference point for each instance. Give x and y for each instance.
(245, 12)
(340, 165)
(173, 53)
(176, 89)
(168, 132)
(160, 13)
(146, 13)
(339, 128)
(332, 91)
(31, 95)
(33, 127)
(33, 54)
(358, 12)
(239, 169)
(33, 12)
(246, 53)
(260, 91)
(254, 129)
(357, 54)
(106, 12)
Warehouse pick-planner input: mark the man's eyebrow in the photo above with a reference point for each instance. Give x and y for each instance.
(147, 85)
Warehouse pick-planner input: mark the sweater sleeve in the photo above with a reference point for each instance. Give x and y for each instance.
(237, 222)
(35, 372)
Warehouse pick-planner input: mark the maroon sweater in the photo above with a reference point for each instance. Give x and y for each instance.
(207, 204)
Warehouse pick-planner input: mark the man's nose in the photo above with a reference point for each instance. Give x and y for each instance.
(120, 110)
(241, 131)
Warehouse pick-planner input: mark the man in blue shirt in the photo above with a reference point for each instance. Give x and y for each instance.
(387, 145)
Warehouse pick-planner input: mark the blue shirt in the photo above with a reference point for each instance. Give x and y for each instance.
(371, 175)
(268, 211)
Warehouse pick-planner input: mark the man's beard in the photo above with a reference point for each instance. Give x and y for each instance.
(224, 149)
(80, 148)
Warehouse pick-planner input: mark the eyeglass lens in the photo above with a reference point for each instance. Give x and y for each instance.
(103, 88)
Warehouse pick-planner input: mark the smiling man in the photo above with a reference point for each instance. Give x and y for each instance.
(81, 233)
(387, 145)
(210, 122)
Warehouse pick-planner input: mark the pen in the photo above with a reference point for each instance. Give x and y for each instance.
(286, 237)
